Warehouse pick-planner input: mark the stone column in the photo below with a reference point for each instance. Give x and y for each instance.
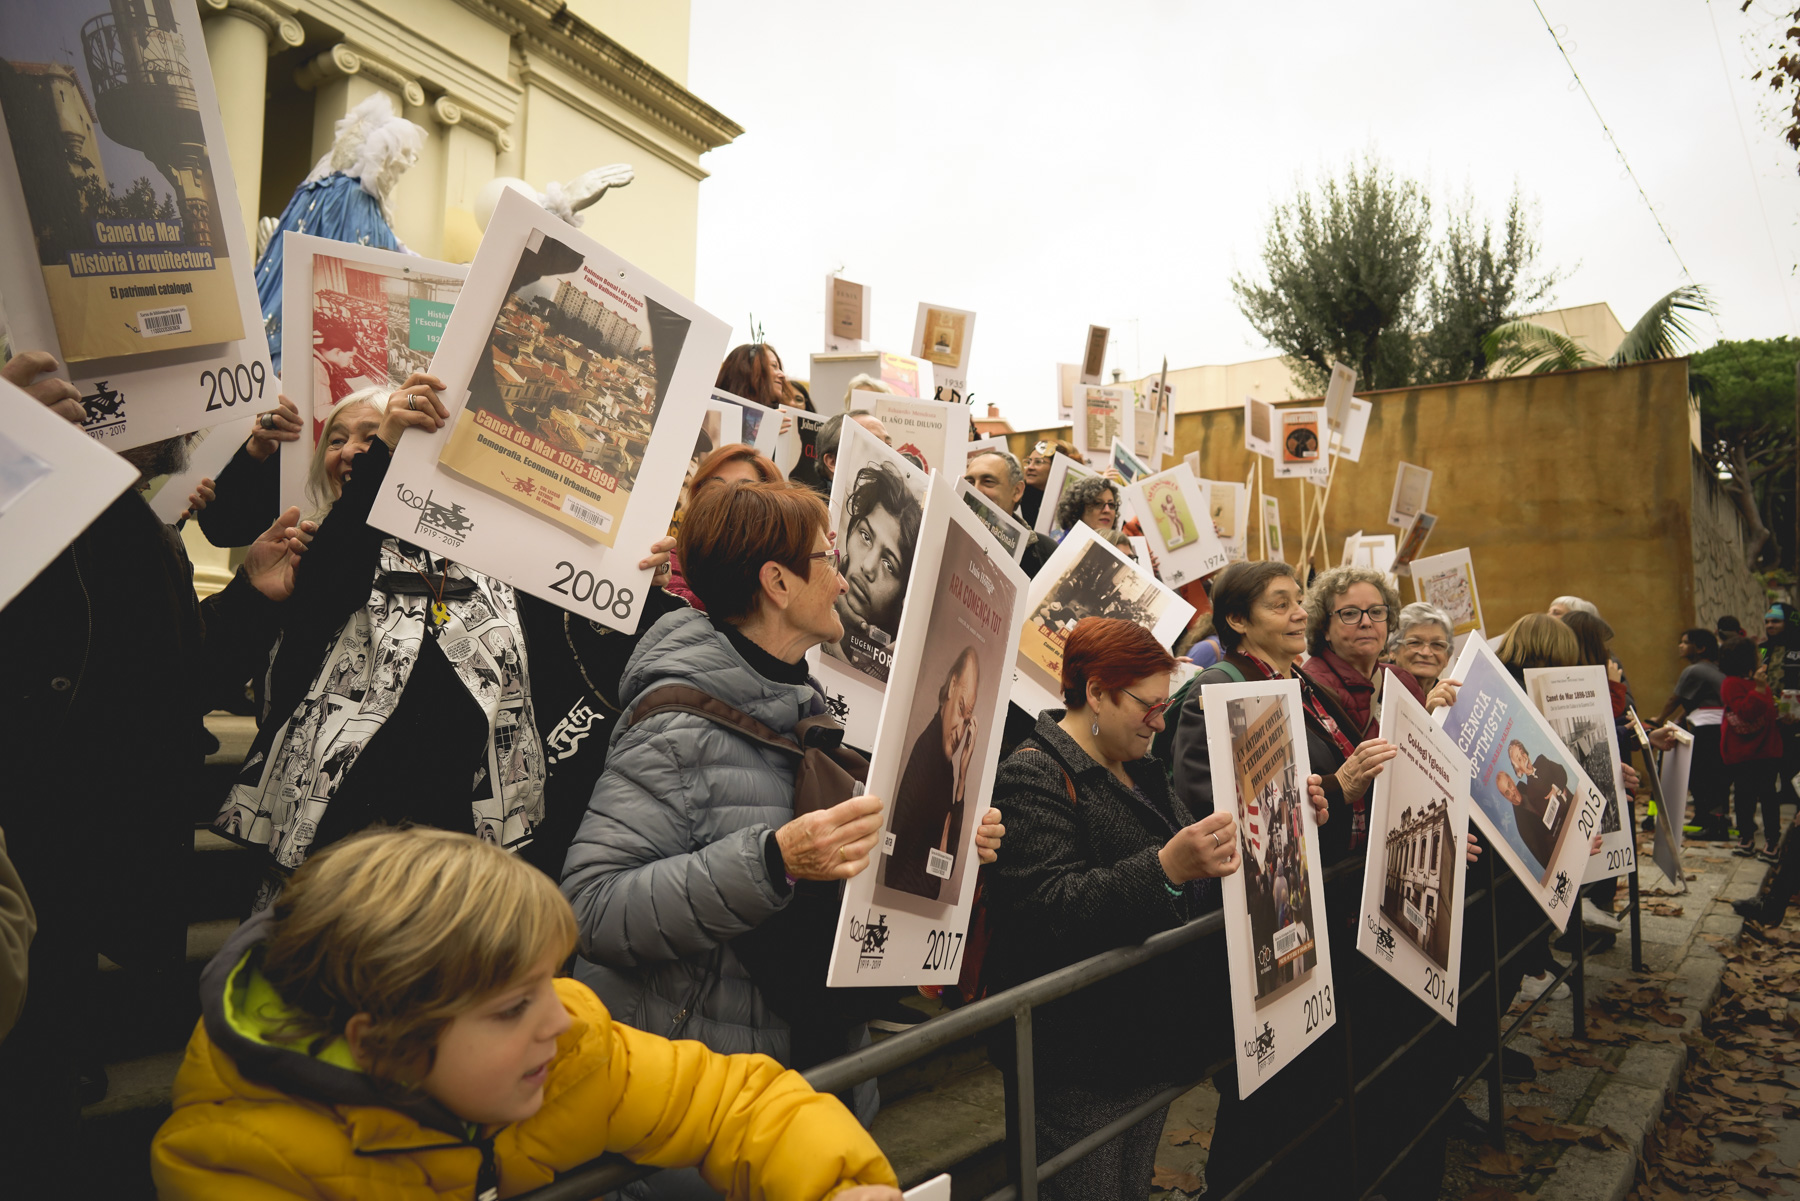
(239, 39)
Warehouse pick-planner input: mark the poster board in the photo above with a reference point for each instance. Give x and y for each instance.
(1126, 462)
(1261, 430)
(1102, 414)
(800, 440)
(559, 495)
(1535, 806)
(942, 336)
(830, 375)
(877, 505)
(935, 1189)
(1448, 581)
(1374, 551)
(1012, 536)
(847, 309)
(1667, 773)
(1412, 488)
(1578, 705)
(1271, 518)
(1086, 577)
(142, 288)
(54, 480)
(1348, 444)
(1413, 884)
(1064, 471)
(1338, 398)
(1093, 356)
(1177, 526)
(1068, 375)
(1412, 541)
(1277, 942)
(935, 433)
(934, 755)
(1229, 505)
(354, 317)
(982, 446)
(759, 426)
(1301, 452)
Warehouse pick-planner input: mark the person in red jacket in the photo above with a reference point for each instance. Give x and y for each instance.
(1750, 745)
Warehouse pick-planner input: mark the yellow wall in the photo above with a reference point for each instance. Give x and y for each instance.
(1577, 482)
(654, 30)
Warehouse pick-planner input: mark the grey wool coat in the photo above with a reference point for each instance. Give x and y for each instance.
(669, 865)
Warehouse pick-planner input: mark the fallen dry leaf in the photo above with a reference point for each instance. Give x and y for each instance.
(1189, 1136)
(1166, 1178)
(1495, 1162)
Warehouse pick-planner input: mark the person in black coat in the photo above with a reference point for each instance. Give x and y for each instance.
(1100, 855)
(245, 497)
(102, 708)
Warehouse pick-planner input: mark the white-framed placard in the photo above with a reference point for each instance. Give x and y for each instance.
(903, 919)
(1412, 489)
(1577, 703)
(942, 336)
(1172, 513)
(934, 433)
(1101, 414)
(1300, 453)
(1412, 541)
(759, 426)
(1348, 444)
(1063, 472)
(1448, 581)
(1338, 397)
(1261, 430)
(1229, 505)
(558, 494)
(1277, 942)
(1012, 536)
(1271, 518)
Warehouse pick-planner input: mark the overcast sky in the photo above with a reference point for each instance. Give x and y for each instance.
(1054, 163)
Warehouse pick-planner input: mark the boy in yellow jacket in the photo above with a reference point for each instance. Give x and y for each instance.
(394, 1028)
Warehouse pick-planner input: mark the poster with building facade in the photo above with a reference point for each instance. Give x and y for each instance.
(122, 248)
(1577, 703)
(904, 920)
(1412, 899)
(575, 384)
(1277, 943)
(371, 318)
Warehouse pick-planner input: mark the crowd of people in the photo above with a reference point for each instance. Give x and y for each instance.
(535, 889)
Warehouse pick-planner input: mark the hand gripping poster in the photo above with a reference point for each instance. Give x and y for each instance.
(372, 317)
(1448, 581)
(1412, 899)
(904, 919)
(1086, 577)
(575, 384)
(1578, 705)
(877, 507)
(1536, 808)
(1275, 932)
(122, 248)
(1172, 512)
(53, 482)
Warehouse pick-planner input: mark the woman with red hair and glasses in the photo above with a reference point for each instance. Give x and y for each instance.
(733, 463)
(1101, 854)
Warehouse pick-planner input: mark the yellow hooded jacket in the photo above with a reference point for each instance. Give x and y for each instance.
(256, 1120)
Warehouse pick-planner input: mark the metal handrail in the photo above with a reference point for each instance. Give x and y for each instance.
(610, 1171)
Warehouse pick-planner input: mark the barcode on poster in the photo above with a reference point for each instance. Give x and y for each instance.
(580, 512)
(938, 864)
(1287, 938)
(1412, 914)
(153, 323)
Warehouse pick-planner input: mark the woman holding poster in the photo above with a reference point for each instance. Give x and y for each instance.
(1104, 855)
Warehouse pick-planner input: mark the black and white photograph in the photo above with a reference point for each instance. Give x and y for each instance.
(1012, 536)
(1577, 703)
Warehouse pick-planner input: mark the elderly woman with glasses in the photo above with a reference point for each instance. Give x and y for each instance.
(1103, 855)
(1093, 500)
(1347, 612)
(1422, 643)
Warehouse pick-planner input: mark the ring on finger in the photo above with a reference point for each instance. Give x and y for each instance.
(410, 403)
(1215, 837)
(268, 421)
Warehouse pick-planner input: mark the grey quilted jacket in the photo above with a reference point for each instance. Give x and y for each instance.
(668, 864)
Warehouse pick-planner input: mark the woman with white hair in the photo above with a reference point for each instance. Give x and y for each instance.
(1573, 604)
(1422, 643)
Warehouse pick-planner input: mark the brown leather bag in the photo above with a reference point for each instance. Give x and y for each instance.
(826, 773)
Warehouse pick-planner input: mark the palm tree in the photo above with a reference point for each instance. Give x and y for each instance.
(1524, 347)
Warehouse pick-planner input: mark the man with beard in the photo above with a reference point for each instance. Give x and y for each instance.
(928, 804)
(881, 529)
(102, 715)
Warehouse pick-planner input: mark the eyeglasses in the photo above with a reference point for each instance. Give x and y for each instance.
(1150, 710)
(834, 556)
(1352, 616)
(1104, 504)
(1417, 644)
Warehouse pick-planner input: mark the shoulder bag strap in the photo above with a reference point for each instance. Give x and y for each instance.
(1068, 781)
(681, 698)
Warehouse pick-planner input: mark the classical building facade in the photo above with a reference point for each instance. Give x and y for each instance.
(1419, 871)
(538, 89)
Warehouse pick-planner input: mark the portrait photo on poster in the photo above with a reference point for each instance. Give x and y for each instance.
(1087, 576)
(1413, 541)
(1064, 471)
(1277, 945)
(1412, 488)
(1011, 535)
(123, 250)
(1172, 513)
(1577, 703)
(1302, 447)
(905, 919)
(1448, 581)
(354, 318)
(1412, 898)
(559, 490)
(1535, 806)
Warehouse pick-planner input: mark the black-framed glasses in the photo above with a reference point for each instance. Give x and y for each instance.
(1350, 615)
(1104, 504)
(1150, 710)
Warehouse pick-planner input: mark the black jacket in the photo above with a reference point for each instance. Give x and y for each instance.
(102, 704)
(1081, 877)
(246, 500)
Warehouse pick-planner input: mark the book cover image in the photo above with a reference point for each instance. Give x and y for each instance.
(944, 336)
(104, 120)
(561, 408)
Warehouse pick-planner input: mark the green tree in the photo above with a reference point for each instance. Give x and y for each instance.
(1344, 270)
(1524, 347)
(1483, 279)
(1746, 394)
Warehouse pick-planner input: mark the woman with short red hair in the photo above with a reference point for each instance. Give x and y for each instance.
(1101, 854)
(733, 463)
